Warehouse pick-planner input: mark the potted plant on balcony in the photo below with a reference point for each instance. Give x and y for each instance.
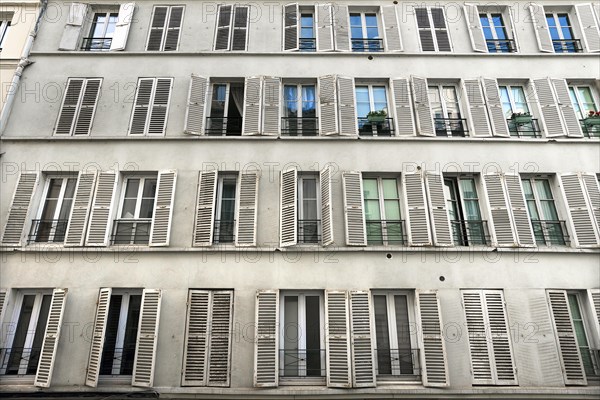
(377, 116)
(593, 118)
(521, 118)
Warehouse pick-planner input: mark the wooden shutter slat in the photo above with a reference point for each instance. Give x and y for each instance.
(98, 336)
(69, 107)
(356, 234)
(173, 28)
(252, 105)
(159, 110)
(341, 28)
(195, 357)
(291, 17)
(494, 105)
(266, 339)
(196, 109)
(157, 28)
(590, 182)
(141, 106)
(520, 215)
(18, 211)
(589, 27)
(572, 124)
(205, 208)
(499, 334)
(224, 18)
(239, 37)
(328, 109)
(431, 340)
(326, 206)
(80, 211)
(337, 339)
(480, 351)
(72, 30)
(405, 121)
(438, 211)
(549, 106)
(145, 349)
(501, 218)
(475, 30)
(540, 26)
(271, 120)
(594, 299)
(347, 106)
(417, 217)
(579, 210)
(288, 214)
(87, 107)
(363, 363)
(219, 350)
(478, 115)
(245, 230)
(391, 28)
(425, 125)
(119, 39)
(102, 206)
(324, 24)
(160, 231)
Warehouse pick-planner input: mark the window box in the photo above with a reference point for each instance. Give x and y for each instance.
(376, 116)
(522, 119)
(591, 121)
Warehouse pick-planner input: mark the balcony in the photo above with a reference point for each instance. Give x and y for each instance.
(591, 362)
(397, 364)
(550, 233)
(375, 128)
(131, 231)
(567, 45)
(96, 44)
(117, 360)
(524, 129)
(19, 360)
(501, 45)
(302, 363)
(450, 126)
(299, 126)
(223, 126)
(368, 45)
(386, 232)
(309, 231)
(48, 230)
(591, 129)
(307, 44)
(470, 232)
(224, 231)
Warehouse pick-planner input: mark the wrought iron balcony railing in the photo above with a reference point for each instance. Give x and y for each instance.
(590, 128)
(307, 44)
(367, 45)
(470, 232)
(131, 231)
(302, 363)
(224, 126)
(386, 232)
(501, 45)
(450, 126)
(529, 129)
(299, 126)
(96, 44)
(397, 362)
(117, 360)
(309, 231)
(224, 231)
(19, 360)
(550, 233)
(375, 128)
(591, 362)
(48, 230)
(567, 45)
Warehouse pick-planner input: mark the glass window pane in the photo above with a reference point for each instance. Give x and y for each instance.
(527, 189)
(149, 188)
(390, 188)
(313, 336)
(543, 189)
(372, 212)
(146, 208)
(370, 189)
(384, 360)
(291, 335)
(468, 188)
(132, 188)
(392, 210)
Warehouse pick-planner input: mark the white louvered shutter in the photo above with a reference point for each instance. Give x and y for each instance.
(589, 26)
(356, 234)
(291, 26)
(205, 208)
(160, 107)
(160, 231)
(438, 210)
(391, 28)
(157, 28)
(87, 107)
(43, 376)
(513, 31)
(417, 218)
(425, 126)
(570, 358)
(591, 184)
(326, 206)
(266, 339)
(548, 104)
(4, 301)
(102, 206)
(70, 106)
(80, 211)
(72, 30)
(337, 339)
(141, 106)
(580, 213)
(597, 11)
(520, 215)
(147, 336)
(405, 121)
(288, 209)
(499, 333)
(347, 106)
(245, 229)
(224, 18)
(363, 363)
(252, 105)
(324, 22)
(119, 39)
(434, 365)
(328, 109)
(219, 350)
(173, 28)
(501, 217)
(19, 209)
(271, 120)
(341, 27)
(195, 356)
(479, 347)
(572, 124)
(241, 18)
(494, 105)
(478, 115)
(98, 336)
(540, 26)
(594, 299)
(475, 30)
(196, 109)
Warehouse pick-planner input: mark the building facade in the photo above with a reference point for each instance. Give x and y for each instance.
(270, 200)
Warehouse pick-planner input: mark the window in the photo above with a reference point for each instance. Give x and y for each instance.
(226, 109)
(4, 29)
(383, 221)
(308, 41)
(364, 32)
(373, 98)
(232, 28)
(445, 106)
(300, 110)
(53, 217)
(165, 28)
(79, 106)
(151, 107)
(433, 33)
(225, 209)
(547, 228)
(496, 33)
(101, 31)
(589, 357)
(561, 33)
(583, 102)
(136, 211)
(309, 215)
(463, 210)
(517, 112)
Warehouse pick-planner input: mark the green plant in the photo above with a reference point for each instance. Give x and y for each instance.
(380, 113)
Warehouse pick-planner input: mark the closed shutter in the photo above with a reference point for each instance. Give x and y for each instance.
(478, 115)
(499, 334)
(593, 297)
(356, 234)
(326, 206)
(196, 109)
(424, 28)
(173, 28)
(291, 17)
(589, 26)
(438, 210)
(481, 357)
(157, 28)
(425, 125)
(219, 355)
(145, 348)
(548, 104)
(441, 30)
(205, 208)
(580, 213)
(222, 35)
(160, 107)
(80, 211)
(288, 210)
(494, 104)
(43, 376)
(434, 365)
(391, 28)
(570, 357)
(324, 22)
(245, 234)
(252, 105)
(160, 232)
(70, 105)
(347, 106)
(328, 110)
(417, 217)
(87, 107)
(19, 208)
(405, 121)
(341, 27)
(271, 120)
(98, 336)
(520, 215)
(241, 17)
(501, 221)
(141, 106)
(195, 356)
(119, 39)
(75, 20)
(266, 339)
(102, 206)
(540, 26)
(572, 124)
(337, 343)
(591, 184)
(363, 363)
(475, 30)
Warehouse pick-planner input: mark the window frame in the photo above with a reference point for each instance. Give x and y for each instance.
(136, 219)
(433, 30)
(559, 29)
(462, 116)
(509, 87)
(5, 25)
(458, 189)
(303, 11)
(576, 88)
(381, 199)
(389, 115)
(42, 206)
(299, 101)
(587, 329)
(302, 175)
(209, 107)
(221, 177)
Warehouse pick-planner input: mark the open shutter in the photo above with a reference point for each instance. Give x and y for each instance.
(522, 223)
(291, 16)
(328, 110)
(219, 350)
(589, 26)
(594, 298)
(288, 212)
(19, 209)
(475, 30)
(549, 107)
(266, 339)
(252, 105)
(417, 217)
(87, 107)
(479, 346)
(501, 218)
(102, 206)
(572, 124)
(196, 109)
(499, 333)
(391, 27)
(141, 106)
(494, 105)
(356, 234)
(240, 28)
(540, 26)
(363, 363)
(173, 28)
(72, 31)
(271, 120)
(404, 122)
(341, 27)
(80, 211)
(590, 182)
(160, 231)
(347, 106)
(337, 340)
(43, 376)
(195, 355)
(580, 213)
(245, 229)
(438, 211)
(4, 301)
(324, 24)
(145, 348)
(119, 39)
(157, 28)
(570, 357)
(224, 17)
(98, 335)
(70, 105)
(326, 206)
(160, 107)
(478, 115)
(434, 365)
(513, 31)
(422, 107)
(205, 208)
